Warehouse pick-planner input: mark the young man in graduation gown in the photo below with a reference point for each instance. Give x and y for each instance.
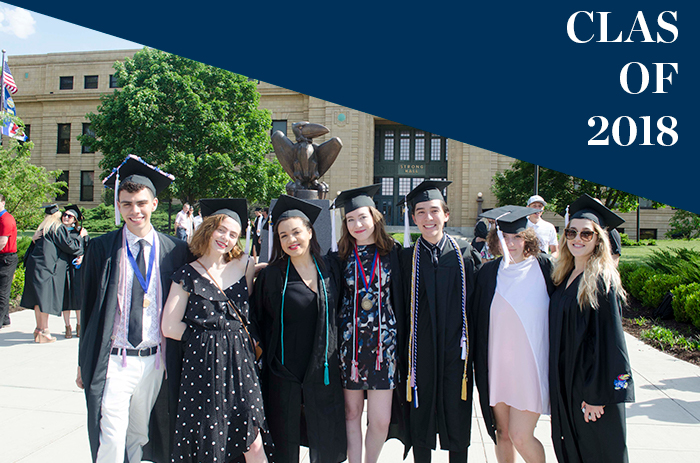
(121, 355)
(439, 276)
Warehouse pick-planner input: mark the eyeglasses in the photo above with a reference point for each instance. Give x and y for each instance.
(586, 235)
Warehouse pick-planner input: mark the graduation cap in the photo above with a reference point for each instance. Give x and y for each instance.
(289, 206)
(510, 219)
(426, 191)
(235, 208)
(587, 207)
(51, 209)
(136, 170)
(357, 197)
(74, 210)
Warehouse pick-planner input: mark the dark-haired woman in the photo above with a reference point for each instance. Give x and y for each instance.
(220, 413)
(371, 321)
(295, 309)
(72, 218)
(511, 310)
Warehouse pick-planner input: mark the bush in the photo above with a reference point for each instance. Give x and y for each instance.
(626, 269)
(656, 287)
(684, 224)
(399, 237)
(680, 296)
(692, 308)
(626, 241)
(17, 282)
(23, 244)
(637, 279)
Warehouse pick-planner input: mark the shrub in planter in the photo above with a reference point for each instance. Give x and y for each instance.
(637, 279)
(680, 299)
(626, 241)
(656, 287)
(626, 269)
(692, 308)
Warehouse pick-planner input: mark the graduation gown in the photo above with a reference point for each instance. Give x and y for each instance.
(46, 270)
(439, 365)
(481, 310)
(588, 362)
(73, 294)
(99, 309)
(324, 405)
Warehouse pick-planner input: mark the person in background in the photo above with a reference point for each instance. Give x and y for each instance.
(72, 218)
(589, 370)
(511, 318)
(121, 352)
(220, 412)
(197, 221)
(481, 231)
(615, 245)
(295, 309)
(182, 222)
(257, 229)
(46, 270)
(372, 324)
(439, 276)
(8, 260)
(546, 232)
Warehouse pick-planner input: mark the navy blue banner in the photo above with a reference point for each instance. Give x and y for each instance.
(608, 94)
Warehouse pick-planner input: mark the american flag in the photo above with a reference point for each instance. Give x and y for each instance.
(8, 79)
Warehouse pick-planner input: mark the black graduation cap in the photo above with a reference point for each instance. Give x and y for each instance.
(235, 208)
(51, 209)
(289, 206)
(135, 169)
(357, 197)
(426, 191)
(510, 219)
(74, 210)
(587, 207)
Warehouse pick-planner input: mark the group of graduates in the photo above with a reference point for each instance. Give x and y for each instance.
(262, 359)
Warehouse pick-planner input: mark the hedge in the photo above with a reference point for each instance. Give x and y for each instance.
(680, 297)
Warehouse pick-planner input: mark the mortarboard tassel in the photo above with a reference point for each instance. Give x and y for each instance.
(566, 217)
(117, 216)
(334, 240)
(406, 230)
(247, 239)
(269, 236)
(502, 240)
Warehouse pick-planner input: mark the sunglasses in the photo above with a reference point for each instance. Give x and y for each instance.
(586, 235)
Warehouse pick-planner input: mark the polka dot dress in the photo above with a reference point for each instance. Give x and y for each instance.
(220, 407)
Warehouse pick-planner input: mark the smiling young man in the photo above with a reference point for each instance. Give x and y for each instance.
(441, 276)
(121, 354)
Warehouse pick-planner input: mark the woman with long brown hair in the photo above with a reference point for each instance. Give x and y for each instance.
(511, 314)
(590, 374)
(371, 321)
(220, 413)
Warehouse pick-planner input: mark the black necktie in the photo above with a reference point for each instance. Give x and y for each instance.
(137, 295)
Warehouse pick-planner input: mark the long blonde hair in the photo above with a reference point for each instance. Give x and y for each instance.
(50, 223)
(600, 271)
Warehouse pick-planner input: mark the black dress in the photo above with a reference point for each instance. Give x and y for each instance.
(74, 288)
(220, 407)
(588, 362)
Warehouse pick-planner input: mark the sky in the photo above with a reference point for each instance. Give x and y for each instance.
(23, 32)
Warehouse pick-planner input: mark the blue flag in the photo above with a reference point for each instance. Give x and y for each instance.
(9, 128)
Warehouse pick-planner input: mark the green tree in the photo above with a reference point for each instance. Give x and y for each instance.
(515, 186)
(198, 122)
(684, 224)
(26, 187)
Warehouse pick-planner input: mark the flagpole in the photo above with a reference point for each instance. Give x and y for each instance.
(2, 83)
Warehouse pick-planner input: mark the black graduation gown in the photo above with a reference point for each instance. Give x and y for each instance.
(481, 310)
(480, 231)
(439, 365)
(74, 288)
(323, 406)
(47, 269)
(99, 308)
(588, 361)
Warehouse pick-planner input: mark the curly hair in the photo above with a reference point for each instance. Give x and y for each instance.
(532, 244)
(599, 267)
(202, 238)
(382, 239)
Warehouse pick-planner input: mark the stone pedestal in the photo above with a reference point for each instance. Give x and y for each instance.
(322, 227)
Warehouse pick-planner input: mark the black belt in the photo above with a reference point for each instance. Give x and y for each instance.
(143, 352)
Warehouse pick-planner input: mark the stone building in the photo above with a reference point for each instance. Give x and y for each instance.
(57, 90)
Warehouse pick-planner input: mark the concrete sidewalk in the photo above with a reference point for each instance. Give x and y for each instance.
(42, 412)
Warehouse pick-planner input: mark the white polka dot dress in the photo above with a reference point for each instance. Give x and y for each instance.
(220, 406)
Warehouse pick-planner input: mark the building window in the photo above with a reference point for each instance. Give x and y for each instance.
(87, 185)
(387, 186)
(63, 139)
(87, 131)
(66, 83)
(113, 81)
(280, 125)
(91, 81)
(645, 203)
(389, 145)
(420, 146)
(435, 145)
(405, 146)
(63, 178)
(404, 186)
(647, 233)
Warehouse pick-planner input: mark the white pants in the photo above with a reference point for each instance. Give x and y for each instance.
(129, 395)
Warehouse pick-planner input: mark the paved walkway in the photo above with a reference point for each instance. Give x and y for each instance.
(42, 412)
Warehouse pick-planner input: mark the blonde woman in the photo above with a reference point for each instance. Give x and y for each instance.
(590, 374)
(46, 268)
(511, 315)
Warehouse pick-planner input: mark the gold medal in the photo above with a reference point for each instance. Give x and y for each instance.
(367, 302)
(146, 302)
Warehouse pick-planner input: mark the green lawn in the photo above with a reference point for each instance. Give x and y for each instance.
(637, 254)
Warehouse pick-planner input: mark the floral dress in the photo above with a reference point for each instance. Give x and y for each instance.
(361, 328)
(220, 406)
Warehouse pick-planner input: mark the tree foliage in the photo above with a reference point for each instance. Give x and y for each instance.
(26, 187)
(198, 122)
(515, 186)
(684, 224)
